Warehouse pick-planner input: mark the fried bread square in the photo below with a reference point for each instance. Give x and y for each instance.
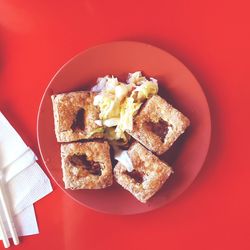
(148, 175)
(86, 165)
(75, 115)
(158, 125)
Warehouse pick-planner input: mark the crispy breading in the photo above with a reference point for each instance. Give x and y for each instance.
(75, 115)
(158, 125)
(148, 176)
(86, 165)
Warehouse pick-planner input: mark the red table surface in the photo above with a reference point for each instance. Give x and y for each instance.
(212, 38)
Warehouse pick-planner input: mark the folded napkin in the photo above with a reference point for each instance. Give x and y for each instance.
(25, 182)
(25, 222)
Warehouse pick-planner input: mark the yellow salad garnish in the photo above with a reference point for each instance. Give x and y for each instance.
(119, 102)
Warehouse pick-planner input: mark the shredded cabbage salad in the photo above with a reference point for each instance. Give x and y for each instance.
(119, 102)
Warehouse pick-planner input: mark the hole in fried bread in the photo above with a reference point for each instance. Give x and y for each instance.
(78, 123)
(92, 167)
(159, 128)
(136, 175)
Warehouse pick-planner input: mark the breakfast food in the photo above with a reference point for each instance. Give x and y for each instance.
(86, 165)
(148, 175)
(158, 125)
(133, 119)
(75, 115)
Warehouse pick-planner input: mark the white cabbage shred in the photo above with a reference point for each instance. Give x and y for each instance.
(118, 103)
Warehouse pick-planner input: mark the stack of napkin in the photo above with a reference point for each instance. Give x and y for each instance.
(25, 182)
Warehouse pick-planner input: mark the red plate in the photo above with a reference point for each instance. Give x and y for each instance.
(177, 85)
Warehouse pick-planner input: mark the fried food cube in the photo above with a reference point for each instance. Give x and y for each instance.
(86, 165)
(75, 115)
(158, 125)
(148, 175)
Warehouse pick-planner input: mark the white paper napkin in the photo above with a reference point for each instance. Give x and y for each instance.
(29, 186)
(25, 222)
(26, 183)
(25, 160)
(11, 144)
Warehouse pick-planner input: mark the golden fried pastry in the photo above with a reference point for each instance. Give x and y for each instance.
(86, 165)
(148, 175)
(75, 115)
(158, 125)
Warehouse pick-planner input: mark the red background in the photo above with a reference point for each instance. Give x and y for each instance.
(213, 39)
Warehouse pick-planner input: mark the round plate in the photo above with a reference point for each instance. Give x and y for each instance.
(177, 85)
